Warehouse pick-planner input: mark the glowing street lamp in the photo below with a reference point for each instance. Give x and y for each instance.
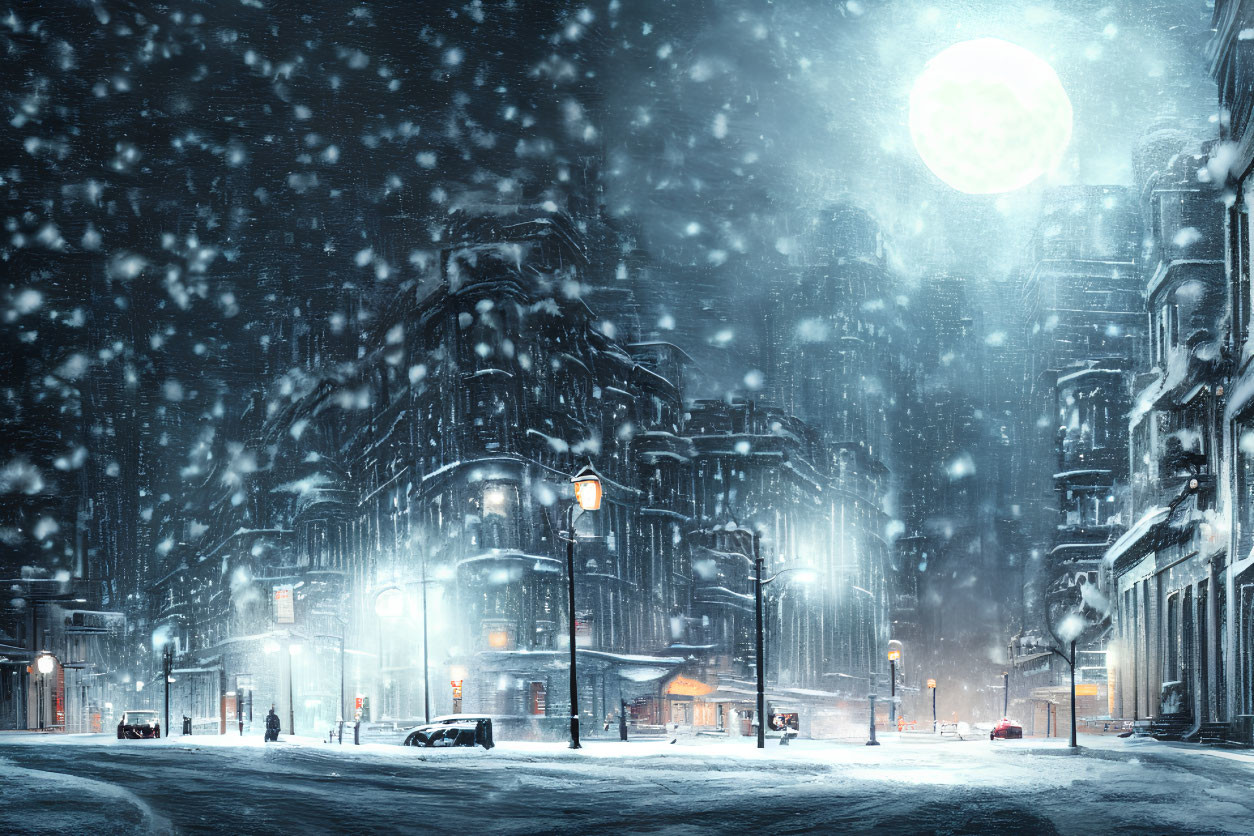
(894, 656)
(587, 489)
(390, 603)
(44, 664)
(931, 685)
(588, 498)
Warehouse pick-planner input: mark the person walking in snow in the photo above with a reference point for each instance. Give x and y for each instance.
(272, 726)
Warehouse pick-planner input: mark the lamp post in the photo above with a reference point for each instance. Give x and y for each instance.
(292, 651)
(1071, 627)
(426, 665)
(759, 629)
(931, 684)
(1070, 660)
(1005, 698)
(45, 664)
(167, 667)
(588, 498)
(893, 656)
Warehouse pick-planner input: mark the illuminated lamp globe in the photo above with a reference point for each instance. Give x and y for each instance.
(390, 603)
(988, 116)
(587, 489)
(44, 664)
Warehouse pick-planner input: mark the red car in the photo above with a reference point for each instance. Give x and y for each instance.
(1006, 730)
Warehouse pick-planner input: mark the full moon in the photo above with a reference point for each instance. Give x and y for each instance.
(988, 116)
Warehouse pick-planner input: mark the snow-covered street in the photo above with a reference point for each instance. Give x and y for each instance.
(94, 784)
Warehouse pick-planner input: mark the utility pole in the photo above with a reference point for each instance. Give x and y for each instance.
(1005, 700)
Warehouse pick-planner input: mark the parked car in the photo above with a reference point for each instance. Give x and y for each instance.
(136, 725)
(1006, 730)
(453, 730)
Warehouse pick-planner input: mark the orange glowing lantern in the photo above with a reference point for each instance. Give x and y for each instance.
(587, 489)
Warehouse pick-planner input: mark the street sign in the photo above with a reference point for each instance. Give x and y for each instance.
(284, 604)
(1086, 689)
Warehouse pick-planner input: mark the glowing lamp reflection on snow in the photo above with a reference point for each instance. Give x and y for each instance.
(587, 489)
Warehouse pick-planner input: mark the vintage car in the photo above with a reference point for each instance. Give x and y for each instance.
(139, 724)
(1006, 730)
(453, 730)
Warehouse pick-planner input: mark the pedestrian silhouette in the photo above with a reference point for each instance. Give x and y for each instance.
(272, 726)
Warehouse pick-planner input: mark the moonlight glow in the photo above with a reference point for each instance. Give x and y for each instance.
(988, 116)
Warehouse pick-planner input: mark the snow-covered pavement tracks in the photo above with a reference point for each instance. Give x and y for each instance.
(93, 784)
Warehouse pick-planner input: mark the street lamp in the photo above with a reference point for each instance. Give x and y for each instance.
(931, 684)
(1071, 627)
(1005, 697)
(894, 656)
(45, 664)
(588, 498)
(805, 574)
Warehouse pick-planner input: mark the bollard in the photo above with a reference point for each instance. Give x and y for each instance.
(341, 729)
(872, 741)
(357, 733)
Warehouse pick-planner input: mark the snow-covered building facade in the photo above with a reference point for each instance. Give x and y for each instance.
(1231, 172)
(1085, 324)
(386, 526)
(1168, 568)
(818, 510)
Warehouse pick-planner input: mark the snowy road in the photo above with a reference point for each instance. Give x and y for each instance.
(92, 784)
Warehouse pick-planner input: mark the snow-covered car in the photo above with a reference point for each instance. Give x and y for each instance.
(453, 730)
(1006, 730)
(136, 725)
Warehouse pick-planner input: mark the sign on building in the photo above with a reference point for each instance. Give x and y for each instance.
(284, 604)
